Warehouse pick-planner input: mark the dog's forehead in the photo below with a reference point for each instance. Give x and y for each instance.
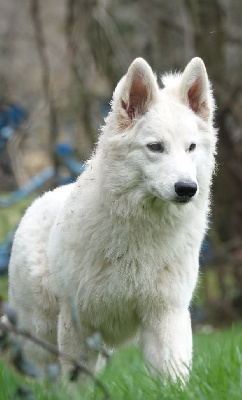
(167, 118)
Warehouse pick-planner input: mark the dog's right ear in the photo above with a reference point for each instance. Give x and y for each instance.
(135, 93)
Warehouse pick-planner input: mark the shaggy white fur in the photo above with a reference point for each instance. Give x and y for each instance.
(120, 243)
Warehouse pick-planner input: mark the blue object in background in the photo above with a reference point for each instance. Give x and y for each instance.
(66, 152)
(10, 118)
(35, 183)
(12, 115)
(5, 251)
(15, 115)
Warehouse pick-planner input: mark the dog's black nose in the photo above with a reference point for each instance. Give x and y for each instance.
(185, 189)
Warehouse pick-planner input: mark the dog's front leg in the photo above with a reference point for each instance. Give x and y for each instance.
(167, 344)
(73, 341)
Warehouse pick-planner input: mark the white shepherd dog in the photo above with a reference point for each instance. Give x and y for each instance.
(122, 243)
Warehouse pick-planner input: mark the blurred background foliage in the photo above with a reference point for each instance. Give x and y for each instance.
(60, 61)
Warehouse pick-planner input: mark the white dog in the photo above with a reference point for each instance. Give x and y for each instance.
(122, 243)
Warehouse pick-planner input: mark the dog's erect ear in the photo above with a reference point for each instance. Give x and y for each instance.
(195, 89)
(136, 92)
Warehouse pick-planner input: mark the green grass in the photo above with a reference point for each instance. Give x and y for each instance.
(3, 287)
(216, 375)
(216, 372)
(9, 218)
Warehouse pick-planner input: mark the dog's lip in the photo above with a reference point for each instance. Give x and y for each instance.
(176, 200)
(182, 200)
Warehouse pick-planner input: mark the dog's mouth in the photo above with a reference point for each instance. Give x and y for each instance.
(182, 200)
(175, 200)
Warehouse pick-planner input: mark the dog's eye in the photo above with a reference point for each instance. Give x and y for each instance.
(156, 147)
(192, 146)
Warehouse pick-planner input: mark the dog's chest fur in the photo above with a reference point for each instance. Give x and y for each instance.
(133, 274)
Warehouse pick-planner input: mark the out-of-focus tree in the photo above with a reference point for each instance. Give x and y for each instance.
(89, 45)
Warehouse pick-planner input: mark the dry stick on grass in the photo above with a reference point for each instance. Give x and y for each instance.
(8, 327)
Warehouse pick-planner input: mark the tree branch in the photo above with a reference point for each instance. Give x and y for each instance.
(9, 327)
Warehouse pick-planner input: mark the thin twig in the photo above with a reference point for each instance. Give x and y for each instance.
(53, 349)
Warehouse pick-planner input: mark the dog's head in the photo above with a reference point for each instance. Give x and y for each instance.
(162, 141)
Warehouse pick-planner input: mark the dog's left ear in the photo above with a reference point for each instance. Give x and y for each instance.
(195, 89)
(135, 93)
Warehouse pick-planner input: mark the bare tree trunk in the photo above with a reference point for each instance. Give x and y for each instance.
(41, 47)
